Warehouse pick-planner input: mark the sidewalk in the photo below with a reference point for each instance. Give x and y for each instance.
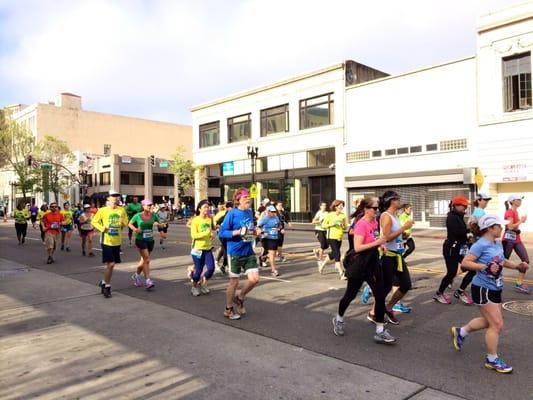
(60, 339)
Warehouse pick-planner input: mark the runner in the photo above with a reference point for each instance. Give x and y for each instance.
(320, 232)
(335, 222)
(487, 259)
(454, 249)
(407, 236)
(76, 215)
(21, 215)
(270, 226)
(202, 231)
(512, 240)
(223, 250)
(285, 220)
(163, 216)
(131, 209)
(51, 222)
(110, 220)
(86, 229)
(34, 210)
(393, 263)
(238, 229)
(143, 226)
(40, 214)
(363, 266)
(68, 226)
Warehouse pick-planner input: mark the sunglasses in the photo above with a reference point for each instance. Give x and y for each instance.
(374, 208)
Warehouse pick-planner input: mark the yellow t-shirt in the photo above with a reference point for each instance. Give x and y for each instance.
(21, 216)
(67, 217)
(114, 219)
(335, 225)
(201, 233)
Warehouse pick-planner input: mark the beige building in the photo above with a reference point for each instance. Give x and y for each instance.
(94, 134)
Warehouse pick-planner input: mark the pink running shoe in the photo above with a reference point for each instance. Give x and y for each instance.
(137, 282)
(463, 296)
(442, 298)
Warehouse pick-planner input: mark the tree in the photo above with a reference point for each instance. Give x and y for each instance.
(183, 168)
(57, 155)
(16, 146)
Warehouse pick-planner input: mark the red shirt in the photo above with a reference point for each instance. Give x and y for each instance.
(366, 229)
(511, 214)
(52, 222)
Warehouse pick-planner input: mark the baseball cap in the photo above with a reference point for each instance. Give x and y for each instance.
(266, 200)
(271, 208)
(489, 220)
(146, 202)
(86, 206)
(514, 197)
(460, 201)
(483, 196)
(114, 193)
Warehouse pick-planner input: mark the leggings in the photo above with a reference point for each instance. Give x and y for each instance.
(335, 249)
(391, 273)
(519, 248)
(223, 252)
(409, 247)
(376, 285)
(42, 232)
(450, 251)
(351, 245)
(21, 229)
(206, 259)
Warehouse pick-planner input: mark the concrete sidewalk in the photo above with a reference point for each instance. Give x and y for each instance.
(59, 338)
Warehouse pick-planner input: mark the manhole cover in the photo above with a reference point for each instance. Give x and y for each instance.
(12, 272)
(523, 307)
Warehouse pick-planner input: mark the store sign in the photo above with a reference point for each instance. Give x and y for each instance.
(514, 172)
(163, 164)
(126, 159)
(228, 168)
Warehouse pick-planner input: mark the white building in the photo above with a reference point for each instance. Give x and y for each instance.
(429, 134)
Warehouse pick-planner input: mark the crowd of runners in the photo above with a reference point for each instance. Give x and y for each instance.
(380, 240)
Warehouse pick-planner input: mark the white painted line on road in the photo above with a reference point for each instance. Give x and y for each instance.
(275, 279)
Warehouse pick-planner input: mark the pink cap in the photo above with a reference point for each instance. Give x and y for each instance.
(146, 202)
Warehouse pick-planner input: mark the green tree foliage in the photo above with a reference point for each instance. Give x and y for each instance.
(183, 168)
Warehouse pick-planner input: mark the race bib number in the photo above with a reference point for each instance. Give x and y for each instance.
(112, 231)
(196, 253)
(510, 235)
(400, 248)
(54, 225)
(463, 251)
(87, 227)
(273, 232)
(148, 234)
(499, 281)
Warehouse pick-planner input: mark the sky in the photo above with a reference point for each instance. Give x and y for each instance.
(156, 59)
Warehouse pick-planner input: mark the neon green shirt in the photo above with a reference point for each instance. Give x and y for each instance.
(114, 219)
(335, 225)
(201, 233)
(21, 216)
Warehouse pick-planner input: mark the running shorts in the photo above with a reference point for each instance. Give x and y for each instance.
(110, 254)
(67, 228)
(242, 264)
(144, 245)
(482, 296)
(281, 239)
(50, 240)
(270, 244)
(86, 232)
(162, 228)
(321, 236)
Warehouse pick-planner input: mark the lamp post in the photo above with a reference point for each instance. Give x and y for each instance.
(253, 153)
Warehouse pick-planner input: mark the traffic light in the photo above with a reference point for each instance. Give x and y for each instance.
(29, 160)
(152, 160)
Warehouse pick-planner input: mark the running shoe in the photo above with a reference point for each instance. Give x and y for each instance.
(50, 260)
(321, 265)
(107, 292)
(442, 298)
(264, 264)
(463, 296)
(342, 276)
(372, 318)
(275, 273)
(384, 337)
(67, 249)
(204, 289)
(391, 317)
(83, 253)
(365, 296)
(457, 339)
(281, 259)
(91, 254)
(195, 291)
(149, 284)
(523, 288)
(102, 286)
(498, 365)
(62, 247)
(338, 327)
(229, 313)
(402, 308)
(223, 269)
(315, 253)
(239, 303)
(137, 282)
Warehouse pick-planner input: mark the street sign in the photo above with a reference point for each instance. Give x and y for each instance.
(253, 191)
(46, 166)
(163, 164)
(228, 168)
(479, 178)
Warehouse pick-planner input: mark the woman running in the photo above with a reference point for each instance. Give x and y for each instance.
(222, 256)
(320, 233)
(143, 225)
(202, 232)
(34, 210)
(68, 226)
(40, 214)
(407, 236)
(86, 229)
(512, 240)
(162, 214)
(21, 215)
(454, 248)
(487, 259)
(270, 226)
(394, 265)
(335, 222)
(365, 267)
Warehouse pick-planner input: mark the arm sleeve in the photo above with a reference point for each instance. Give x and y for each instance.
(226, 231)
(476, 249)
(98, 222)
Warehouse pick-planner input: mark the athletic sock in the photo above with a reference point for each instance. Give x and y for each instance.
(492, 357)
(339, 318)
(379, 328)
(519, 281)
(463, 332)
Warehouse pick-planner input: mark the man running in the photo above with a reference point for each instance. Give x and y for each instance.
(51, 222)
(131, 209)
(110, 220)
(238, 229)
(68, 226)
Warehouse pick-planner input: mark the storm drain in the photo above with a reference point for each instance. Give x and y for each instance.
(523, 307)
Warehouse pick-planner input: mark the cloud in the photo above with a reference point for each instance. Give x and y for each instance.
(155, 59)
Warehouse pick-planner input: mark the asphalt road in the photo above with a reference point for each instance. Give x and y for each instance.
(297, 307)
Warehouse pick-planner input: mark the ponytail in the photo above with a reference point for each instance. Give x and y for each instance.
(506, 205)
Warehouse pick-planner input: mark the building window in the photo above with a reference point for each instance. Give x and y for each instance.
(210, 134)
(316, 111)
(275, 120)
(390, 152)
(455, 144)
(415, 149)
(376, 153)
(321, 158)
(239, 128)
(431, 147)
(358, 155)
(131, 178)
(105, 178)
(163, 180)
(517, 82)
(403, 150)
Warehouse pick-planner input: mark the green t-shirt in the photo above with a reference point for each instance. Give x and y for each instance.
(132, 209)
(21, 216)
(146, 227)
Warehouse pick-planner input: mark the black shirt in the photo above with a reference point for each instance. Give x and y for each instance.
(456, 227)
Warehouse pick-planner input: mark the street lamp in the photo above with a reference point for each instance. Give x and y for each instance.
(253, 153)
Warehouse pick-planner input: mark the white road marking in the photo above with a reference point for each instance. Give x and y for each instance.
(275, 279)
